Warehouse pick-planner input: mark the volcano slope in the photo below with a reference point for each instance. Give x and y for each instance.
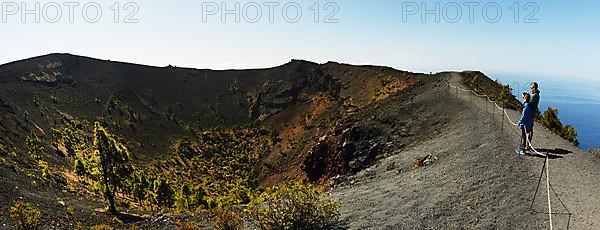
(363, 126)
(475, 180)
(321, 120)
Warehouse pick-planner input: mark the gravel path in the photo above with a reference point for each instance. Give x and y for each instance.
(476, 181)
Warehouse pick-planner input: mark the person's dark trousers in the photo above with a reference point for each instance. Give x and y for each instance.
(523, 139)
(530, 136)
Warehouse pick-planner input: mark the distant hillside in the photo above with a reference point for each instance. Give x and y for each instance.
(151, 106)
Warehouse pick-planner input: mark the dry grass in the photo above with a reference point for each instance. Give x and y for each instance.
(226, 219)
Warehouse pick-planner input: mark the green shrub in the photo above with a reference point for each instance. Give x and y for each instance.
(219, 168)
(227, 219)
(70, 211)
(34, 146)
(79, 167)
(139, 186)
(505, 96)
(25, 216)
(71, 139)
(551, 121)
(185, 198)
(185, 148)
(164, 194)
(570, 134)
(294, 206)
(497, 92)
(46, 174)
(595, 151)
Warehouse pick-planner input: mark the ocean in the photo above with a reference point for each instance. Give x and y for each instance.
(578, 103)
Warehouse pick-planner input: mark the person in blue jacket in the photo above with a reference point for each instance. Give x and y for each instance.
(526, 123)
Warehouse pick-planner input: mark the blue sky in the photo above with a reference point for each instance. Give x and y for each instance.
(563, 44)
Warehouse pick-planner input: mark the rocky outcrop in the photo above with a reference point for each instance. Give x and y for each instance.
(276, 95)
(352, 150)
(48, 74)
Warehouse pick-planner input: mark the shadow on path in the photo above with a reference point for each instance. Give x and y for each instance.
(129, 218)
(556, 153)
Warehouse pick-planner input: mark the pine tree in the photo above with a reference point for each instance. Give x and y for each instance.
(183, 198)
(34, 145)
(139, 186)
(570, 134)
(163, 192)
(115, 167)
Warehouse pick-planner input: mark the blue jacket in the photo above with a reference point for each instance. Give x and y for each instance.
(527, 117)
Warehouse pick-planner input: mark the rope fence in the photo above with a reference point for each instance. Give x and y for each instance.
(504, 114)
